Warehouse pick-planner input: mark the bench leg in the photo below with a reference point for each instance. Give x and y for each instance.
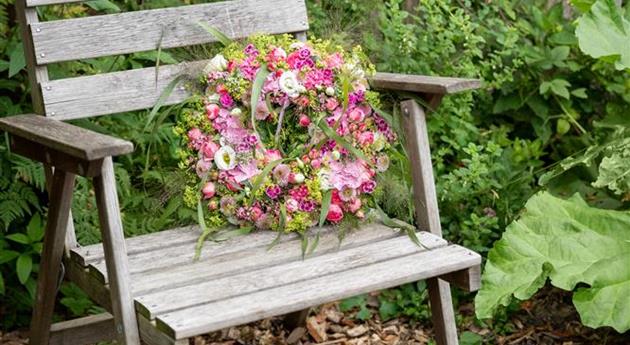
(116, 256)
(52, 253)
(296, 319)
(427, 213)
(442, 312)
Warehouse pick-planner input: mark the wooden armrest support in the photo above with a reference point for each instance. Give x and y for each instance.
(70, 140)
(422, 84)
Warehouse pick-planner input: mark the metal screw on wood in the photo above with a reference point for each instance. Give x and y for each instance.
(38, 30)
(42, 55)
(48, 88)
(52, 113)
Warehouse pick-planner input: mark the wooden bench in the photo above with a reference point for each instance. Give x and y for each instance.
(150, 284)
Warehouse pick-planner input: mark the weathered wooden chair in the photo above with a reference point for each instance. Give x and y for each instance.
(150, 284)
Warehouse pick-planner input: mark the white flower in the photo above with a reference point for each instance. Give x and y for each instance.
(330, 91)
(213, 98)
(379, 142)
(324, 179)
(217, 64)
(289, 84)
(299, 178)
(225, 158)
(236, 112)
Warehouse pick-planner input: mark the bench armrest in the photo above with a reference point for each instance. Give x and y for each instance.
(71, 140)
(422, 84)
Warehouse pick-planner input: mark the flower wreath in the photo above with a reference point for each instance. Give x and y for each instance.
(284, 136)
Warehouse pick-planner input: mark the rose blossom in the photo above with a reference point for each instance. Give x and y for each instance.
(272, 155)
(357, 114)
(202, 167)
(354, 205)
(209, 149)
(289, 84)
(226, 100)
(335, 214)
(208, 190)
(281, 174)
(366, 138)
(305, 121)
(255, 213)
(331, 104)
(292, 205)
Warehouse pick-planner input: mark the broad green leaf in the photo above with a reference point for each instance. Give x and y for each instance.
(470, 338)
(556, 86)
(4, 65)
(326, 199)
(19, 238)
(24, 266)
(614, 171)
(582, 5)
(569, 243)
(604, 33)
(388, 310)
(103, 5)
(562, 126)
(17, 60)
(35, 229)
(221, 37)
(580, 93)
(7, 255)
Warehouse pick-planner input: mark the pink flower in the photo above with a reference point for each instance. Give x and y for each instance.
(307, 205)
(305, 121)
(208, 190)
(316, 163)
(350, 175)
(262, 112)
(292, 205)
(209, 149)
(272, 155)
(273, 192)
(226, 100)
(354, 205)
(347, 194)
(368, 187)
(335, 214)
(357, 114)
(366, 138)
(335, 60)
(194, 134)
(212, 110)
(281, 174)
(331, 104)
(245, 171)
(255, 213)
(202, 167)
(299, 193)
(382, 163)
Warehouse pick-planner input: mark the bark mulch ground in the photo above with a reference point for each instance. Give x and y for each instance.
(547, 319)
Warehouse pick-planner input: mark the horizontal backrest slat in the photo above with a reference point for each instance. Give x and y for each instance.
(114, 34)
(33, 3)
(117, 92)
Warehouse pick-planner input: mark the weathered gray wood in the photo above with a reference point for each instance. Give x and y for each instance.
(116, 92)
(60, 160)
(105, 35)
(92, 287)
(116, 255)
(86, 330)
(33, 3)
(421, 83)
(140, 244)
(468, 280)
(152, 336)
(427, 215)
(326, 288)
(291, 270)
(172, 267)
(72, 140)
(71, 237)
(52, 253)
(36, 74)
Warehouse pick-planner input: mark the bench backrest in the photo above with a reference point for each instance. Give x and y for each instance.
(114, 34)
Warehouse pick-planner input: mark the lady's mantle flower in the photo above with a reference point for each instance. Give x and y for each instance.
(225, 158)
(217, 64)
(289, 84)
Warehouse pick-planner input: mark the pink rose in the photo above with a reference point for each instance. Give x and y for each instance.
(335, 214)
(255, 213)
(356, 114)
(354, 205)
(212, 110)
(292, 205)
(305, 121)
(281, 174)
(194, 134)
(272, 155)
(331, 104)
(202, 167)
(366, 138)
(209, 149)
(333, 61)
(208, 190)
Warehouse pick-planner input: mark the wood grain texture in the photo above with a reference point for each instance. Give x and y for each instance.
(116, 255)
(52, 254)
(172, 267)
(72, 140)
(152, 336)
(278, 274)
(468, 280)
(427, 215)
(116, 92)
(421, 83)
(86, 330)
(36, 74)
(34, 3)
(122, 33)
(297, 296)
(71, 236)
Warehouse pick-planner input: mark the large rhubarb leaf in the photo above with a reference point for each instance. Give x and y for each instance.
(604, 33)
(568, 242)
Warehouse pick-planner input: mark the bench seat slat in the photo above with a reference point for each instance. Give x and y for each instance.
(212, 289)
(137, 31)
(116, 92)
(158, 269)
(303, 294)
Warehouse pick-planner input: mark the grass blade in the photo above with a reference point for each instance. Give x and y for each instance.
(260, 178)
(313, 245)
(221, 37)
(261, 75)
(168, 90)
(204, 230)
(326, 199)
(341, 141)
